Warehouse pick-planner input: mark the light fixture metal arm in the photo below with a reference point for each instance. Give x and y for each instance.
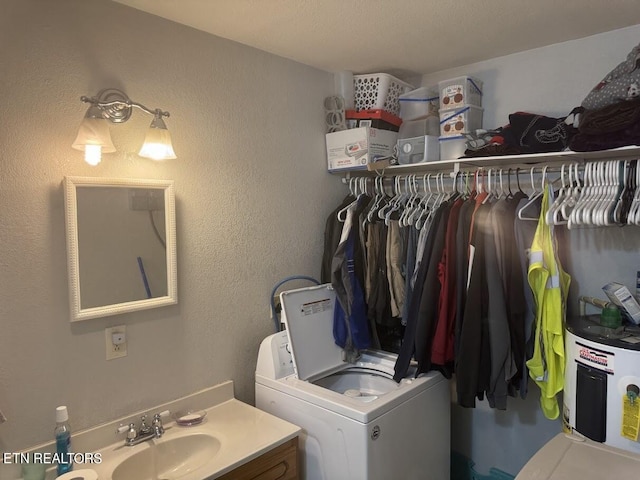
(117, 107)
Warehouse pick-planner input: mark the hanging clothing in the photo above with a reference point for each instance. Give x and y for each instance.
(503, 216)
(473, 360)
(332, 234)
(462, 266)
(378, 301)
(442, 352)
(350, 325)
(395, 258)
(524, 232)
(412, 332)
(550, 286)
(410, 265)
(503, 366)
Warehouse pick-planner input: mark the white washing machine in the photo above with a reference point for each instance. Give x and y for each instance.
(358, 423)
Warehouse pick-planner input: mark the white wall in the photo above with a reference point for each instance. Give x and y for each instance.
(252, 193)
(551, 81)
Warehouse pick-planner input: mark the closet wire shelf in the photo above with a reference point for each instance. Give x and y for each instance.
(522, 160)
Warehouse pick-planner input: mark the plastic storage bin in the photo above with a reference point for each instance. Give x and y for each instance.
(452, 148)
(419, 149)
(460, 91)
(379, 91)
(419, 102)
(422, 126)
(461, 120)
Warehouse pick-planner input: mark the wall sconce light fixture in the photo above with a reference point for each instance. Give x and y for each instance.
(114, 106)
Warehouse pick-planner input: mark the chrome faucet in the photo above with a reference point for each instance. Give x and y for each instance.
(145, 432)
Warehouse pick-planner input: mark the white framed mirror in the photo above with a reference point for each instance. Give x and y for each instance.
(121, 245)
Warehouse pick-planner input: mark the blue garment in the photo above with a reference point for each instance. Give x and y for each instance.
(350, 323)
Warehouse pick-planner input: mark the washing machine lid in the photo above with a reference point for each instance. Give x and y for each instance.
(308, 316)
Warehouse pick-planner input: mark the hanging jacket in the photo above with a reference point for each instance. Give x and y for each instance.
(503, 366)
(473, 363)
(332, 233)
(350, 325)
(550, 286)
(442, 349)
(408, 347)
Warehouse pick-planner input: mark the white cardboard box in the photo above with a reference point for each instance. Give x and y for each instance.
(621, 296)
(353, 149)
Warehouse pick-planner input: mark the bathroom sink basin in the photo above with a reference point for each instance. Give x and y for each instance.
(168, 459)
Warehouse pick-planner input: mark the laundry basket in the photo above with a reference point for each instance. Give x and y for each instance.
(379, 91)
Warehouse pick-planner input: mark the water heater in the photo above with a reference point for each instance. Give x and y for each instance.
(602, 383)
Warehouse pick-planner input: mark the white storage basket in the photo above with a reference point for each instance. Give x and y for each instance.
(379, 91)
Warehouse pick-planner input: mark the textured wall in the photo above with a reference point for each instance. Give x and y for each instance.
(252, 193)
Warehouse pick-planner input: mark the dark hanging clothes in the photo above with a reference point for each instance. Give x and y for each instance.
(503, 367)
(332, 233)
(410, 339)
(442, 352)
(503, 223)
(462, 264)
(473, 367)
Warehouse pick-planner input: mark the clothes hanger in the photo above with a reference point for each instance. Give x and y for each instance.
(411, 202)
(382, 212)
(518, 181)
(534, 195)
(352, 190)
(551, 218)
(510, 194)
(575, 188)
(379, 199)
(502, 193)
(585, 191)
(420, 221)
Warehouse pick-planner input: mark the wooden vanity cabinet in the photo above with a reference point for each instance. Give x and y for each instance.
(281, 463)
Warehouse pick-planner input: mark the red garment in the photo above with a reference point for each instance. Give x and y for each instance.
(442, 349)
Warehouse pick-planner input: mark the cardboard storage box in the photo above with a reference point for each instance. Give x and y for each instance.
(621, 296)
(379, 119)
(355, 148)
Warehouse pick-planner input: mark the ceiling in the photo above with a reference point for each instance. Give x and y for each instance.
(401, 37)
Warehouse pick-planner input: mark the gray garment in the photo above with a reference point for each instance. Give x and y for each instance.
(524, 232)
(371, 256)
(395, 255)
(503, 366)
(341, 266)
(499, 210)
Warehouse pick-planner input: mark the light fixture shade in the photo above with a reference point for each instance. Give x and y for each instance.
(157, 143)
(94, 130)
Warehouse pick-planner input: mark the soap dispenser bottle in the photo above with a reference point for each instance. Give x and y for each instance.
(62, 433)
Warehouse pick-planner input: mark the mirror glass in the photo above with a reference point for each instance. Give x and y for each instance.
(121, 247)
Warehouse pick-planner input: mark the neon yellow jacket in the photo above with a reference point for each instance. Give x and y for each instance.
(550, 286)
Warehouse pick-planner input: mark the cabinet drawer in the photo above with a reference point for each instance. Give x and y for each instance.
(281, 463)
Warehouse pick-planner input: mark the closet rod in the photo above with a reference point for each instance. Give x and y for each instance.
(519, 168)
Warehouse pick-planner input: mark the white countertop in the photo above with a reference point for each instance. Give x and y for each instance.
(244, 433)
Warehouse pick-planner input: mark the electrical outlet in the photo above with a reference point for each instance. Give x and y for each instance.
(116, 341)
